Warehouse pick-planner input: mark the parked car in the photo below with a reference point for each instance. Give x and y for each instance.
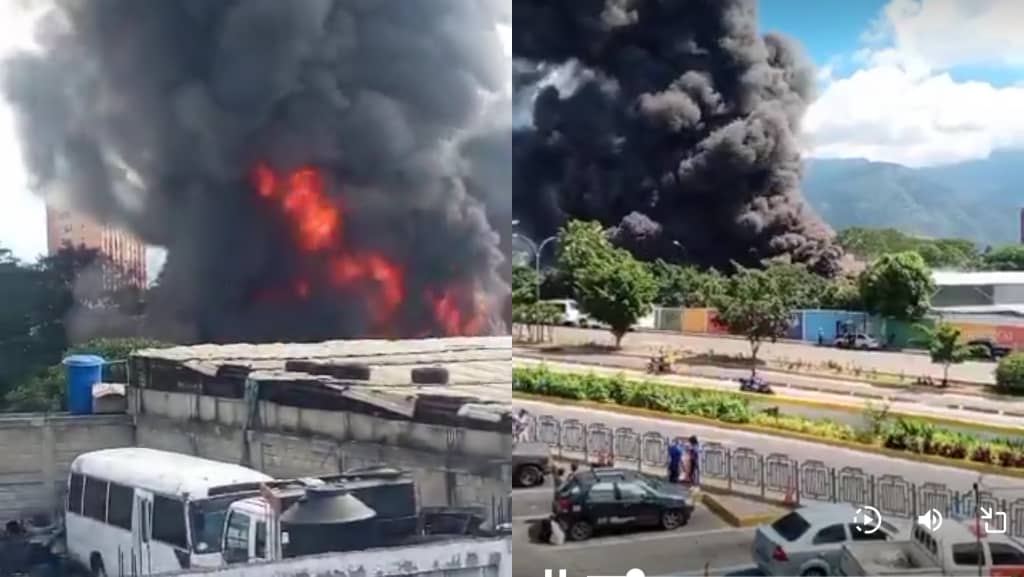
(568, 313)
(988, 349)
(602, 498)
(858, 341)
(809, 541)
(531, 462)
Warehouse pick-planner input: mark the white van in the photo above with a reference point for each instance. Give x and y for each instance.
(137, 511)
(569, 313)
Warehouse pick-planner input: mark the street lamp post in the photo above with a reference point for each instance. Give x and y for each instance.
(538, 250)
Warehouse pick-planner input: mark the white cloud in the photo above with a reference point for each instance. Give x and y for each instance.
(950, 33)
(903, 106)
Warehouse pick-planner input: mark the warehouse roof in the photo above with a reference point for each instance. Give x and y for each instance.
(470, 378)
(983, 278)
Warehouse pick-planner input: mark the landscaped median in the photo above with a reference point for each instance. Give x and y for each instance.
(901, 436)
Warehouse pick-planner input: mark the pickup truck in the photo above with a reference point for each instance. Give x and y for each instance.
(366, 509)
(531, 462)
(951, 550)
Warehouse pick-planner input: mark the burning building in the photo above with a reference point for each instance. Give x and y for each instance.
(315, 169)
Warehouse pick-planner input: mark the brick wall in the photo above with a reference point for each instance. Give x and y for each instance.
(36, 452)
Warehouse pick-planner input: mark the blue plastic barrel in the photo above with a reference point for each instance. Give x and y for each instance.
(83, 371)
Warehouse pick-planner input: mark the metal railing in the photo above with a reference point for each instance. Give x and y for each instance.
(771, 476)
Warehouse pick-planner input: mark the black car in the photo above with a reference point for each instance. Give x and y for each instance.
(605, 498)
(987, 349)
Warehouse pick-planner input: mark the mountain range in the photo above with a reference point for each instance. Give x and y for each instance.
(979, 200)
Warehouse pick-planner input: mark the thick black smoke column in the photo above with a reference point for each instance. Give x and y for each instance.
(671, 120)
(152, 115)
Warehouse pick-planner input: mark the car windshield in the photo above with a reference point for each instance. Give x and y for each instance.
(206, 517)
(791, 527)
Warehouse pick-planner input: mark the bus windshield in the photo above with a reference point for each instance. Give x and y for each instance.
(206, 517)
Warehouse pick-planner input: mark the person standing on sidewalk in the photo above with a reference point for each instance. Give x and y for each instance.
(675, 461)
(693, 457)
(520, 426)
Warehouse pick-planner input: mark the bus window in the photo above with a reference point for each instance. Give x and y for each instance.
(169, 521)
(119, 506)
(236, 539)
(95, 502)
(75, 486)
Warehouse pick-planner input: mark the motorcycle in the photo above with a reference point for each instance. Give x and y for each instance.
(756, 385)
(660, 364)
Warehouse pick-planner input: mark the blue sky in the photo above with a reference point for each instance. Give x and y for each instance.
(827, 29)
(832, 31)
(915, 82)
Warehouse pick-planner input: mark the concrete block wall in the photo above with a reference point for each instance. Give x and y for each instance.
(452, 467)
(455, 558)
(36, 451)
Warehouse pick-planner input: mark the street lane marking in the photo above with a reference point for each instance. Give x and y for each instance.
(605, 542)
(747, 569)
(533, 491)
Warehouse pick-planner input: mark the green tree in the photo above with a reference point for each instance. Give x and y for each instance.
(841, 294)
(685, 286)
(1005, 258)
(611, 286)
(800, 287)
(1010, 374)
(44, 391)
(38, 299)
(755, 305)
(871, 243)
(944, 346)
(898, 286)
(525, 283)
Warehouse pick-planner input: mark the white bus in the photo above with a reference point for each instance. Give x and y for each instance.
(137, 511)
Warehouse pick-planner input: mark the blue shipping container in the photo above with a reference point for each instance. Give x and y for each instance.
(796, 326)
(82, 372)
(828, 324)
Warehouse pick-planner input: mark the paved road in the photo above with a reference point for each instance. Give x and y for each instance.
(706, 539)
(889, 362)
(1002, 412)
(914, 472)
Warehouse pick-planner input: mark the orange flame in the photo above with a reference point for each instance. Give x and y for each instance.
(451, 317)
(264, 180)
(319, 227)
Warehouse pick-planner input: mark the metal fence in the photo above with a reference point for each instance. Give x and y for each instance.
(774, 475)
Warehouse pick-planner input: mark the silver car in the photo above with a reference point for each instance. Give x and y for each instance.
(808, 541)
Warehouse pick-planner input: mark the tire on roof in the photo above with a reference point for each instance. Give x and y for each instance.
(430, 375)
(351, 371)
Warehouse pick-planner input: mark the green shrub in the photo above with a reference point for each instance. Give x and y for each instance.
(902, 434)
(1010, 374)
(726, 407)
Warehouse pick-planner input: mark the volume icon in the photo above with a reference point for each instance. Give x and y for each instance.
(931, 519)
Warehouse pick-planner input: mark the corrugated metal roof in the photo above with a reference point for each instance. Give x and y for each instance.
(479, 369)
(332, 349)
(977, 278)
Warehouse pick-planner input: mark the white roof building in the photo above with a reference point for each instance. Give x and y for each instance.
(979, 294)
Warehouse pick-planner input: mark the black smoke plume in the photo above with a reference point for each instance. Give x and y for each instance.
(153, 116)
(672, 121)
